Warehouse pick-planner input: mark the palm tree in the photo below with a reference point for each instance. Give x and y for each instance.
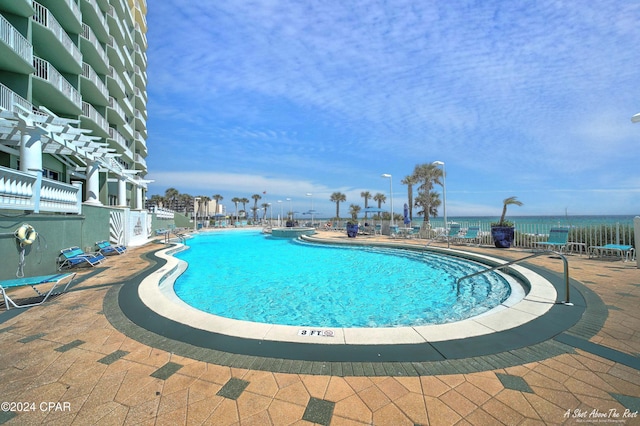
(171, 196)
(217, 197)
(430, 204)
(186, 201)
(244, 201)
(354, 209)
(367, 196)
(380, 198)
(264, 210)
(508, 202)
(338, 197)
(427, 175)
(236, 200)
(157, 200)
(409, 181)
(255, 197)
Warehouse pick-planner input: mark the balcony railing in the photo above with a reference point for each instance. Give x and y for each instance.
(13, 38)
(90, 74)
(47, 72)
(47, 20)
(90, 36)
(89, 111)
(9, 98)
(23, 191)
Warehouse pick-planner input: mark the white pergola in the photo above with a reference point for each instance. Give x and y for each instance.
(30, 134)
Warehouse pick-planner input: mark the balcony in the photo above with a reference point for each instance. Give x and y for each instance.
(53, 90)
(23, 191)
(115, 56)
(92, 51)
(93, 16)
(54, 42)
(8, 99)
(93, 88)
(141, 38)
(115, 84)
(140, 123)
(120, 144)
(115, 113)
(16, 53)
(93, 120)
(67, 12)
(139, 159)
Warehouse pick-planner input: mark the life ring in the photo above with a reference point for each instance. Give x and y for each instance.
(26, 234)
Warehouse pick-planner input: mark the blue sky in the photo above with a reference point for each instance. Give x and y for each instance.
(529, 99)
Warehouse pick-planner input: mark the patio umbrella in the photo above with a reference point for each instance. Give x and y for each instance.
(406, 214)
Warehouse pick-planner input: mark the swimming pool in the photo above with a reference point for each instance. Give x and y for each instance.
(248, 276)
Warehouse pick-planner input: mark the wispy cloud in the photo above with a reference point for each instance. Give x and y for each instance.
(333, 93)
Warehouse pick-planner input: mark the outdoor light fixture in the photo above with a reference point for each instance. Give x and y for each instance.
(388, 176)
(444, 198)
(636, 118)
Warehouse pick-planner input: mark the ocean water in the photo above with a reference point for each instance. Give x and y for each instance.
(572, 221)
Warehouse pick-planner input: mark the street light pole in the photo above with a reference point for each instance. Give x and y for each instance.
(386, 175)
(444, 197)
(280, 219)
(311, 195)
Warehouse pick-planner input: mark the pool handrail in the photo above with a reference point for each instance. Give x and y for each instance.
(502, 265)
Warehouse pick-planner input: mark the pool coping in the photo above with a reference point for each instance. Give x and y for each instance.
(537, 340)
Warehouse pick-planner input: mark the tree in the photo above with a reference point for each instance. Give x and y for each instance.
(409, 181)
(264, 210)
(255, 197)
(171, 195)
(367, 196)
(217, 197)
(338, 197)
(511, 201)
(236, 200)
(244, 201)
(354, 209)
(380, 198)
(427, 175)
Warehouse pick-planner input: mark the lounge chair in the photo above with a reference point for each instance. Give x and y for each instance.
(470, 236)
(625, 252)
(558, 238)
(74, 256)
(106, 248)
(33, 282)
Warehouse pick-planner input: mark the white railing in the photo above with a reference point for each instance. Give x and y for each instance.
(114, 105)
(23, 191)
(89, 35)
(120, 140)
(90, 74)
(162, 213)
(89, 111)
(47, 20)
(46, 71)
(9, 98)
(13, 38)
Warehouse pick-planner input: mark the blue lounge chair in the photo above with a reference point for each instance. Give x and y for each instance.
(74, 256)
(32, 282)
(106, 248)
(558, 238)
(469, 236)
(625, 252)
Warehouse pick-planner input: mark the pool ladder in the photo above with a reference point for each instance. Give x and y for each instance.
(181, 237)
(513, 262)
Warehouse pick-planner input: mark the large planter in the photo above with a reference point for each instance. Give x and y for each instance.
(502, 236)
(352, 230)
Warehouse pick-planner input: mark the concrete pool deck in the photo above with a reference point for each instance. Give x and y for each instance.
(76, 349)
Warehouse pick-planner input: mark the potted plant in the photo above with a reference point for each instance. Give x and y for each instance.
(352, 228)
(503, 231)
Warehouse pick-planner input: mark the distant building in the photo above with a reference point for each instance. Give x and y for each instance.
(73, 104)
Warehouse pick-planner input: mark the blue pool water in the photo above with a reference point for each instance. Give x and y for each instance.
(249, 276)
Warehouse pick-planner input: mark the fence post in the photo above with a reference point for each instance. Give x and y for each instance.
(636, 230)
